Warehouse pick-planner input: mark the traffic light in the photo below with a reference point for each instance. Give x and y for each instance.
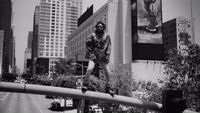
(173, 102)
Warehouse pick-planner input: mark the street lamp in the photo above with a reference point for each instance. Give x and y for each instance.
(82, 102)
(82, 68)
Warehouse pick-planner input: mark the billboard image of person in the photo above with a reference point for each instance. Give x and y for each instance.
(146, 20)
(149, 21)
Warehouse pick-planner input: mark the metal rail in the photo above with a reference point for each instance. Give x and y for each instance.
(90, 95)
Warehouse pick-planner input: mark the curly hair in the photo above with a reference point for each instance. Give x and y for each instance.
(100, 22)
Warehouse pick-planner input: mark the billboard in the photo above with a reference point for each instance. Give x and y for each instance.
(183, 33)
(146, 16)
(149, 21)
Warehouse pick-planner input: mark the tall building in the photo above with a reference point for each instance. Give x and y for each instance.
(1, 49)
(28, 59)
(12, 59)
(57, 20)
(5, 24)
(30, 39)
(34, 48)
(177, 34)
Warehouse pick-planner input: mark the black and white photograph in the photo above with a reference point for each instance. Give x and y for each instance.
(99, 56)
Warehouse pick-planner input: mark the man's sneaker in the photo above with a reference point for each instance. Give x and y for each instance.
(85, 85)
(84, 89)
(151, 27)
(110, 91)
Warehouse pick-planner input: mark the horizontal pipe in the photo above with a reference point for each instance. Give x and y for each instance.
(74, 93)
(89, 95)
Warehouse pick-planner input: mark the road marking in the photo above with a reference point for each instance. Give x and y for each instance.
(10, 108)
(4, 97)
(36, 104)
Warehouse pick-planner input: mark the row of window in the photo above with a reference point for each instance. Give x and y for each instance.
(51, 54)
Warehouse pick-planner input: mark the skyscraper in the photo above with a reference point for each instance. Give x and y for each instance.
(5, 25)
(1, 49)
(57, 20)
(27, 59)
(34, 48)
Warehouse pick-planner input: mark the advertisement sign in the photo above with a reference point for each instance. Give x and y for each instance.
(184, 33)
(146, 20)
(149, 21)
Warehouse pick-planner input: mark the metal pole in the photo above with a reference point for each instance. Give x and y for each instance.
(192, 22)
(67, 92)
(82, 69)
(74, 93)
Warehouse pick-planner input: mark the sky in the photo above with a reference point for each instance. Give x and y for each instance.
(23, 11)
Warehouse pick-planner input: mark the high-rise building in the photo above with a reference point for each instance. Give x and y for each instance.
(176, 34)
(1, 49)
(30, 39)
(5, 24)
(34, 48)
(57, 20)
(27, 59)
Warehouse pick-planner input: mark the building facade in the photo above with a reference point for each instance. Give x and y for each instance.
(57, 20)
(5, 25)
(28, 51)
(177, 34)
(1, 49)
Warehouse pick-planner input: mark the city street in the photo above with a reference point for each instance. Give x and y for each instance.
(26, 103)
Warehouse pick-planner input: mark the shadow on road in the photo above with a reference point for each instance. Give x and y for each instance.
(61, 109)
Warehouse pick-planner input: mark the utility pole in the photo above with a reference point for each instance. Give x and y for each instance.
(192, 22)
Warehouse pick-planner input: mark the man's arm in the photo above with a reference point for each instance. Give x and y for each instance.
(89, 44)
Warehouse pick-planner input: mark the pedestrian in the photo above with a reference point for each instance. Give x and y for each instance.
(98, 49)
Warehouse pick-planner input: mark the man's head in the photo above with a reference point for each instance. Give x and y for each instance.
(100, 27)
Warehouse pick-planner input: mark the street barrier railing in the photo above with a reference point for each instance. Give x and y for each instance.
(74, 93)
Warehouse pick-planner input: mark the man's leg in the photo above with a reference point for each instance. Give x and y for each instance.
(109, 88)
(90, 67)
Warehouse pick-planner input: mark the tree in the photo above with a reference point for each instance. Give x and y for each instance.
(9, 77)
(122, 81)
(27, 76)
(183, 72)
(64, 66)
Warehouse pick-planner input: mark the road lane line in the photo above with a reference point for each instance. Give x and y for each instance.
(4, 97)
(36, 104)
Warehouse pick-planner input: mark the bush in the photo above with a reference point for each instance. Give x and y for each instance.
(9, 77)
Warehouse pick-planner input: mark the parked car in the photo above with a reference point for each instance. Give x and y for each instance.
(95, 109)
(55, 106)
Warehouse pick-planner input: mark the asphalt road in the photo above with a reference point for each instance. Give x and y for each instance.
(19, 103)
(26, 103)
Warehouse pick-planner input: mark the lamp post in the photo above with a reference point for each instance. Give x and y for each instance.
(82, 102)
(82, 68)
